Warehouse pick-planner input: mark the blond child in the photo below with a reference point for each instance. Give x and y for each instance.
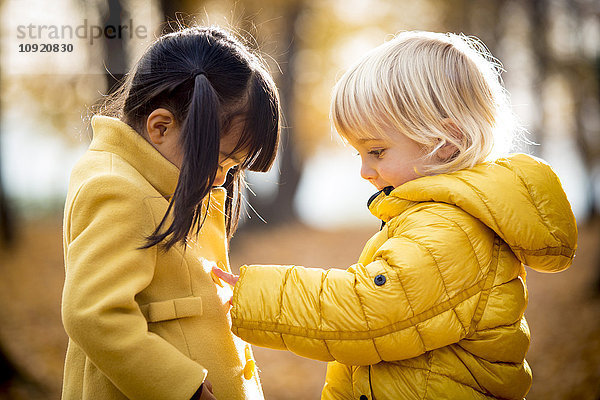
(433, 309)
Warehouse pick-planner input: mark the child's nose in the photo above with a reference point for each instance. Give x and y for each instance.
(220, 177)
(366, 172)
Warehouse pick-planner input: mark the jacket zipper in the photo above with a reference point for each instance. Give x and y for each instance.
(371, 385)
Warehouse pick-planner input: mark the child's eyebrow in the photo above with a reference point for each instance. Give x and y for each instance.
(365, 140)
(227, 155)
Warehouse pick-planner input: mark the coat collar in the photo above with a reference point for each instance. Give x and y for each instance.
(115, 136)
(385, 205)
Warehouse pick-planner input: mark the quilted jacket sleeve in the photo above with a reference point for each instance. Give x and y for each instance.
(104, 272)
(421, 291)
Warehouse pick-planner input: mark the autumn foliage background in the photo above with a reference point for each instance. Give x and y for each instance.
(551, 54)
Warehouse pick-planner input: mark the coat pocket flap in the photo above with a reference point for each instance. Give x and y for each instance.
(172, 309)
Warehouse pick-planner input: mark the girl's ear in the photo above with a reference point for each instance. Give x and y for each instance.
(159, 124)
(449, 149)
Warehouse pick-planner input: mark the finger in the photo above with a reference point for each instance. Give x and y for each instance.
(218, 281)
(226, 276)
(220, 274)
(208, 386)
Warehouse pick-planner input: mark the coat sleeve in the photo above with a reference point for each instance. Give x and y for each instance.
(423, 290)
(104, 271)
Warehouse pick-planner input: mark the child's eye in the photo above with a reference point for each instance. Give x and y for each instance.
(228, 163)
(377, 153)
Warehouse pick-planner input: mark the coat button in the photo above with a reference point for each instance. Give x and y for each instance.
(250, 365)
(249, 369)
(380, 280)
(363, 397)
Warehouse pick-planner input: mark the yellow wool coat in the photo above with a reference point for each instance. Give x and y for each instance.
(434, 307)
(142, 324)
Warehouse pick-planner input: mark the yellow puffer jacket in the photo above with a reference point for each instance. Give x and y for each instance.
(434, 307)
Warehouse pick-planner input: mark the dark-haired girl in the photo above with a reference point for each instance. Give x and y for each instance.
(156, 194)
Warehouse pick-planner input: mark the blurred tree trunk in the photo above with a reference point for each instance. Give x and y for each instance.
(179, 11)
(471, 17)
(170, 9)
(7, 229)
(583, 75)
(579, 71)
(14, 379)
(114, 48)
(537, 13)
(6, 217)
(280, 208)
(8, 370)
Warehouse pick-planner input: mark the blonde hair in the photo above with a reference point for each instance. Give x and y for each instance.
(419, 83)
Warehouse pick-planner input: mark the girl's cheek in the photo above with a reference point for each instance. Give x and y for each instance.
(220, 176)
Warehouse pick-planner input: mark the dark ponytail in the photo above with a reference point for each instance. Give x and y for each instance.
(206, 78)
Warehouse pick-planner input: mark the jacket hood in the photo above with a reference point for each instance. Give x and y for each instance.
(519, 197)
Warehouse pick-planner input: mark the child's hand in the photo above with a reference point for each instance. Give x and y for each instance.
(226, 276)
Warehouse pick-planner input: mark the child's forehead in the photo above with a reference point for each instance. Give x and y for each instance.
(371, 134)
(367, 132)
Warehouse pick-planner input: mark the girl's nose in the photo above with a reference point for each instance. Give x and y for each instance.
(366, 172)
(219, 181)
(221, 176)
